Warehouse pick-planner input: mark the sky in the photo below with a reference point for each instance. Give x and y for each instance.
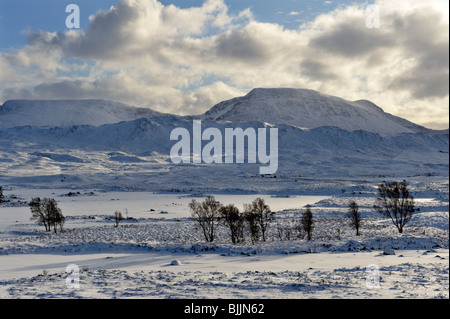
(184, 56)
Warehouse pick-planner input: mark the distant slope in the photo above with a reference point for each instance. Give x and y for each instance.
(405, 123)
(64, 113)
(310, 109)
(137, 153)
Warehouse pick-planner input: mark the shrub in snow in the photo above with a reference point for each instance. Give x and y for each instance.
(285, 232)
(117, 218)
(175, 262)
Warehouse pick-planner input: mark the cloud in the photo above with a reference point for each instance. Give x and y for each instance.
(317, 70)
(428, 44)
(350, 42)
(415, 43)
(144, 53)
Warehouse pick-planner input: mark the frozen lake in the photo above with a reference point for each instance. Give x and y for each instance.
(138, 204)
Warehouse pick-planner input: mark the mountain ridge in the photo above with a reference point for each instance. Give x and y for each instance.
(136, 153)
(62, 113)
(302, 108)
(310, 109)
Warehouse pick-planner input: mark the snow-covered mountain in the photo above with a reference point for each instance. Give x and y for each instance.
(309, 109)
(95, 142)
(297, 107)
(135, 154)
(62, 113)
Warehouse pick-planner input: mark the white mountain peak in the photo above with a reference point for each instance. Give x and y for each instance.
(309, 109)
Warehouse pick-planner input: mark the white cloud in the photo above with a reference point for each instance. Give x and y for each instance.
(185, 60)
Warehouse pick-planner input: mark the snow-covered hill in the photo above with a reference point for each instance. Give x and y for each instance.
(136, 154)
(297, 107)
(310, 109)
(106, 143)
(62, 113)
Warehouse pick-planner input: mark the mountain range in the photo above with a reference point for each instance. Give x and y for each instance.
(98, 142)
(297, 107)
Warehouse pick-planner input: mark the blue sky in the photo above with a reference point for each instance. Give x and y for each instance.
(20, 16)
(187, 57)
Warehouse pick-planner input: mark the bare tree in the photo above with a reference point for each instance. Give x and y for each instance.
(233, 219)
(38, 212)
(47, 212)
(354, 216)
(262, 214)
(118, 217)
(54, 213)
(206, 214)
(265, 215)
(396, 203)
(307, 222)
(252, 222)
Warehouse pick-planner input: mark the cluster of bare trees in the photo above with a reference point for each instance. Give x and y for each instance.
(46, 211)
(394, 202)
(253, 222)
(255, 219)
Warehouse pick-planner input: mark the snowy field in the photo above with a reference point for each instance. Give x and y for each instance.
(159, 252)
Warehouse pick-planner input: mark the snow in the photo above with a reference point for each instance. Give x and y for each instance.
(67, 144)
(96, 157)
(68, 113)
(165, 256)
(309, 109)
(135, 153)
(303, 276)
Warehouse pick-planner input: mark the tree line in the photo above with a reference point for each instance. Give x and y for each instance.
(394, 202)
(253, 221)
